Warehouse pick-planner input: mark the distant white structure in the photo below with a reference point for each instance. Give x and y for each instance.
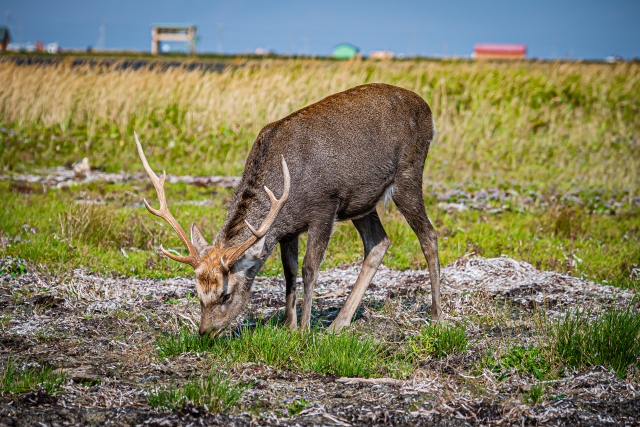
(381, 54)
(172, 33)
(264, 52)
(53, 48)
(612, 59)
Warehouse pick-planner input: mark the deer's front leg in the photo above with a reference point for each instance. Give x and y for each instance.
(317, 241)
(289, 256)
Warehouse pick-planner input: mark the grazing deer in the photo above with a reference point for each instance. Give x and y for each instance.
(346, 152)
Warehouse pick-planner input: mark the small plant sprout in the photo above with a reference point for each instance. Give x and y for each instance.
(297, 405)
(536, 394)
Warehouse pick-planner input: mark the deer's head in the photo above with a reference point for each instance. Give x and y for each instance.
(222, 272)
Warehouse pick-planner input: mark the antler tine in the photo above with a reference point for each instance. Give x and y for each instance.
(276, 206)
(193, 258)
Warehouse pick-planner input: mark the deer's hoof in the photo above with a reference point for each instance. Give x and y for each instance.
(291, 324)
(337, 325)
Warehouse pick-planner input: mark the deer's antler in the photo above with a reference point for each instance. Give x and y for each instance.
(236, 252)
(193, 259)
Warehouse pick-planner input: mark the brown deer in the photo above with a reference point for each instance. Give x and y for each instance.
(346, 153)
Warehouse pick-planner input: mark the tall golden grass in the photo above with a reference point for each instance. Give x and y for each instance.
(555, 123)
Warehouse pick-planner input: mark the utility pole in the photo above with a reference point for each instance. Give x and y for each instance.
(290, 43)
(9, 19)
(102, 37)
(411, 47)
(219, 35)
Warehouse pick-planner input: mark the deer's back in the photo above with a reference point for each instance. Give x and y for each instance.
(342, 151)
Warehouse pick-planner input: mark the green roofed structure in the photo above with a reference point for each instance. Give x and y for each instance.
(345, 51)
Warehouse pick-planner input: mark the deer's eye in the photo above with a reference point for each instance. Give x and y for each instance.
(225, 298)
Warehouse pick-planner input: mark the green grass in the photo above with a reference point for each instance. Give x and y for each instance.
(14, 267)
(563, 134)
(15, 379)
(440, 340)
(297, 406)
(52, 229)
(343, 354)
(214, 391)
(578, 339)
(185, 341)
(531, 361)
(610, 337)
(63, 233)
(536, 394)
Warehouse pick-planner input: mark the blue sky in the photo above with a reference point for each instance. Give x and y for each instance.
(550, 29)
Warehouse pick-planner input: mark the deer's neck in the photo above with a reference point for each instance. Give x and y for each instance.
(247, 206)
(234, 230)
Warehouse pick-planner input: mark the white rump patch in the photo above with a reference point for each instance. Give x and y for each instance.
(388, 194)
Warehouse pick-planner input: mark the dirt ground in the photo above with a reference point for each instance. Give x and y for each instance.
(101, 331)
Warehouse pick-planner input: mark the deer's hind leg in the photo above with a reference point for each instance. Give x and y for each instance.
(407, 195)
(375, 242)
(289, 256)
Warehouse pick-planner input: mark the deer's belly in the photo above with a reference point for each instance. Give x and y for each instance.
(357, 207)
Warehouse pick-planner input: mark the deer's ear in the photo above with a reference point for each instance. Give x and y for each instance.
(255, 251)
(198, 239)
(248, 258)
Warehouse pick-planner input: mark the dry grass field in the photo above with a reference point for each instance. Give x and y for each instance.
(532, 183)
(556, 123)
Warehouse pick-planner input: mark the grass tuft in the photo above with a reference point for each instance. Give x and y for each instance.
(15, 380)
(528, 360)
(214, 391)
(440, 340)
(297, 406)
(536, 394)
(609, 338)
(185, 341)
(343, 354)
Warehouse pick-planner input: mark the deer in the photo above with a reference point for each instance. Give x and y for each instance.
(347, 152)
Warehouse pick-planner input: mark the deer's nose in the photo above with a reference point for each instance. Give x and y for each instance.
(204, 330)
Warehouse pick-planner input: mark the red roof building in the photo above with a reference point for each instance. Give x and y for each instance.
(499, 51)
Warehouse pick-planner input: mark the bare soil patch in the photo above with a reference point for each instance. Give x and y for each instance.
(100, 331)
